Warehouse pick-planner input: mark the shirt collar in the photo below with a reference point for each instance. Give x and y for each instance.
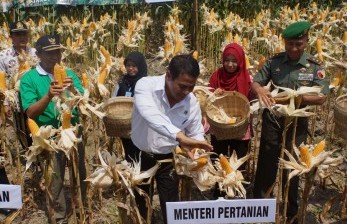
(302, 60)
(160, 88)
(41, 71)
(14, 52)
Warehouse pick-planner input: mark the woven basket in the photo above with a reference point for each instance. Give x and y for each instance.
(201, 96)
(118, 116)
(235, 105)
(340, 116)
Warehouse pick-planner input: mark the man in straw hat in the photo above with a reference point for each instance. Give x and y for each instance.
(37, 88)
(167, 114)
(291, 69)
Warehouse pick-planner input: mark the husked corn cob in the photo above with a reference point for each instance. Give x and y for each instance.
(345, 37)
(3, 86)
(102, 76)
(236, 38)
(66, 122)
(225, 164)
(33, 127)
(319, 148)
(195, 55)
(106, 55)
(247, 64)
(59, 74)
(305, 155)
(202, 161)
(85, 80)
(68, 42)
(178, 46)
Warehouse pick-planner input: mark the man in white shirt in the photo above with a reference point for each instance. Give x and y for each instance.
(167, 114)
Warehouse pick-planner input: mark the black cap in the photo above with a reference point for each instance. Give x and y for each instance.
(18, 26)
(48, 43)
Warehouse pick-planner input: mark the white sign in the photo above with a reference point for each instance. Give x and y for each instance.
(10, 196)
(221, 211)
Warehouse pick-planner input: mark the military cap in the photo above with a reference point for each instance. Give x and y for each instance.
(296, 30)
(48, 43)
(18, 26)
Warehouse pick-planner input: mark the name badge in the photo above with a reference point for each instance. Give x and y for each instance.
(128, 94)
(305, 77)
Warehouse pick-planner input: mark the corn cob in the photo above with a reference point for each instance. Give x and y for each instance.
(202, 161)
(66, 121)
(305, 155)
(244, 42)
(3, 86)
(229, 37)
(33, 127)
(68, 42)
(102, 76)
(225, 164)
(85, 80)
(59, 74)
(247, 64)
(195, 55)
(106, 55)
(178, 46)
(319, 49)
(345, 37)
(236, 38)
(319, 148)
(178, 150)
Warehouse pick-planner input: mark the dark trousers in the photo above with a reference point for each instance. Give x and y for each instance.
(3, 176)
(226, 147)
(57, 184)
(166, 178)
(269, 153)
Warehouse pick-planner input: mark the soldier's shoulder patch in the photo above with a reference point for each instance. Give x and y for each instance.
(315, 60)
(278, 55)
(321, 73)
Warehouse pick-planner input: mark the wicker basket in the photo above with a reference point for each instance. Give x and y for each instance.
(118, 116)
(235, 105)
(340, 116)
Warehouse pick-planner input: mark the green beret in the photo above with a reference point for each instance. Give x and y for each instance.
(296, 30)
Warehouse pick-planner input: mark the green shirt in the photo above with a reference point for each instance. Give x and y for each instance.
(306, 72)
(34, 86)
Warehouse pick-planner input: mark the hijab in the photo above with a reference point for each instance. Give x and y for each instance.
(128, 82)
(237, 81)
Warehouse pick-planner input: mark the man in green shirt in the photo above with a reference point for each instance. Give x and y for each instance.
(292, 69)
(37, 88)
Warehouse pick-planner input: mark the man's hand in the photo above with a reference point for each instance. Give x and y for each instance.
(263, 94)
(190, 143)
(68, 83)
(54, 90)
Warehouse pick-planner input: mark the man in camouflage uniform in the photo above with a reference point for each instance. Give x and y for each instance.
(291, 69)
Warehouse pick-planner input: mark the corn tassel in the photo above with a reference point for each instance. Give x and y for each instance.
(201, 162)
(319, 148)
(33, 127)
(85, 80)
(305, 155)
(225, 164)
(66, 122)
(3, 86)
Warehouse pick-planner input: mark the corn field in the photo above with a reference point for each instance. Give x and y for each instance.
(95, 42)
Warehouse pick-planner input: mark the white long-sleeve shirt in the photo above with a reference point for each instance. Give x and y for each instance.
(155, 124)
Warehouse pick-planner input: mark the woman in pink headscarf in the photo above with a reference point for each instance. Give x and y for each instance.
(233, 76)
